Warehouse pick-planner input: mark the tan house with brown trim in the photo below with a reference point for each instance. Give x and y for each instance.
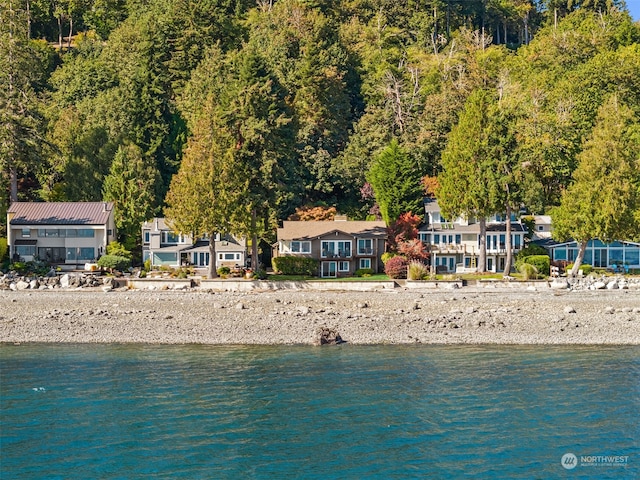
(341, 246)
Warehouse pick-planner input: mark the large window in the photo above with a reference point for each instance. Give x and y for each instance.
(615, 256)
(170, 237)
(77, 254)
(328, 269)
(52, 254)
(66, 232)
(26, 233)
(165, 258)
(632, 256)
(228, 256)
(86, 232)
(300, 247)
(560, 253)
(26, 250)
(336, 248)
(365, 246)
(296, 246)
(48, 232)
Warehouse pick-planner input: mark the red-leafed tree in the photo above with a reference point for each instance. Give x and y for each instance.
(403, 237)
(309, 213)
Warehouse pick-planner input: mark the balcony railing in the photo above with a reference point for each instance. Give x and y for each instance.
(338, 254)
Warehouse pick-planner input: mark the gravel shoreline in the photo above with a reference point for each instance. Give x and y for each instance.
(466, 316)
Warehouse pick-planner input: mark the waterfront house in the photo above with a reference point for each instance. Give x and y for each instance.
(341, 246)
(66, 234)
(165, 247)
(618, 256)
(454, 245)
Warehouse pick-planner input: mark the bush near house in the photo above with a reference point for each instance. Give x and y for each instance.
(540, 262)
(363, 272)
(396, 267)
(3, 248)
(417, 271)
(528, 251)
(386, 256)
(585, 267)
(223, 271)
(528, 271)
(291, 265)
(114, 262)
(118, 250)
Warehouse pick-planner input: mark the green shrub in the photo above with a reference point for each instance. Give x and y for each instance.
(114, 262)
(3, 248)
(417, 271)
(541, 262)
(116, 249)
(290, 265)
(20, 267)
(386, 256)
(528, 271)
(223, 271)
(147, 265)
(363, 272)
(260, 274)
(396, 267)
(528, 251)
(585, 267)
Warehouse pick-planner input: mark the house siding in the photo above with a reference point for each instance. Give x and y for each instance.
(338, 261)
(66, 234)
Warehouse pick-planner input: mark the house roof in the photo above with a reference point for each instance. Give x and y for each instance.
(161, 224)
(431, 205)
(551, 243)
(294, 230)
(59, 213)
(227, 244)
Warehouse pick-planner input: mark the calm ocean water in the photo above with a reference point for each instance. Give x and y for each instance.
(114, 411)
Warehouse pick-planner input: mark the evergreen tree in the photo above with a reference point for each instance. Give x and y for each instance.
(208, 194)
(21, 135)
(396, 183)
(467, 184)
(604, 200)
(132, 185)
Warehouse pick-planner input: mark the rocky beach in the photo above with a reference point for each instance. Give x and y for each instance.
(470, 315)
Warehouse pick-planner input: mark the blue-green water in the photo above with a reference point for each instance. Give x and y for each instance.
(105, 411)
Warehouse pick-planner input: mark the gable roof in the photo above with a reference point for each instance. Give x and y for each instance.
(293, 230)
(59, 213)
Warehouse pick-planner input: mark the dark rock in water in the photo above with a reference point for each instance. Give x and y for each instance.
(329, 336)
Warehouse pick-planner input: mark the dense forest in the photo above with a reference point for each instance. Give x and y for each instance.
(232, 114)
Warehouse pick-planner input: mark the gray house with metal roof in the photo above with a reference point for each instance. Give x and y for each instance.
(67, 234)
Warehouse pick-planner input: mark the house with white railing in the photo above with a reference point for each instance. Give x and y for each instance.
(454, 244)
